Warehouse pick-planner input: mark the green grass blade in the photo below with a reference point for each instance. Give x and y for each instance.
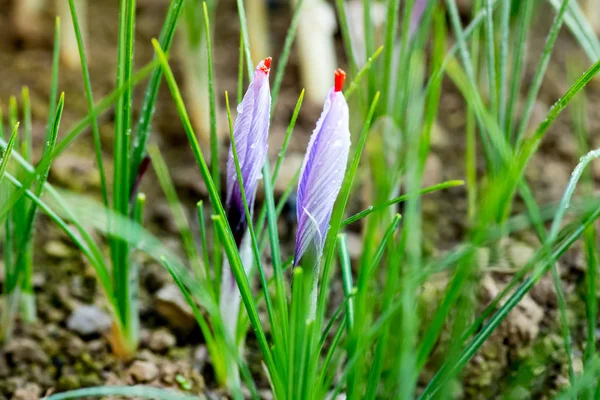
(362, 214)
(393, 10)
(346, 268)
(27, 142)
(55, 74)
(7, 150)
(122, 172)
(87, 83)
(204, 242)
(179, 216)
(354, 84)
(284, 56)
(282, 153)
(280, 285)
(490, 57)
(540, 71)
(346, 38)
(142, 131)
(503, 61)
(518, 64)
(146, 392)
(245, 37)
(214, 140)
(81, 242)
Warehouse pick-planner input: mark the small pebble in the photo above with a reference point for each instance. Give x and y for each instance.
(161, 340)
(143, 371)
(26, 350)
(171, 305)
(30, 391)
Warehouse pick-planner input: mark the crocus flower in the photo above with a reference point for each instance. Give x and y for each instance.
(250, 136)
(322, 172)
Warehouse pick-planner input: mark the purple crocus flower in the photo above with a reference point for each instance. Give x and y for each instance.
(322, 172)
(250, 135)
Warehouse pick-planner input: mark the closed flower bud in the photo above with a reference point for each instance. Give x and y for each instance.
(322, 172)
(250, 134)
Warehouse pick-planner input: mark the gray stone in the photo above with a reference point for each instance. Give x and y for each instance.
(88, 320)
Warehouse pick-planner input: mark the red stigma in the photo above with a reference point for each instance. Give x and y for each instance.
(340, 77)
(266, 65)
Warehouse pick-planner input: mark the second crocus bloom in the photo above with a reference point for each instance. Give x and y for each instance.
(322, 173)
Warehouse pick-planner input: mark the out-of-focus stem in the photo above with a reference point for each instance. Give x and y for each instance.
(592, 13)
(69, 52)
(258, 29)
(316, 48)
(229, 299)
(193, 56)
(26, 15)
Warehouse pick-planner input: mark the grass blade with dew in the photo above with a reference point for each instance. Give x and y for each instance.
(540, 71)
(578, 116)
(127, 337)
(346, 268)
(142, 131)
(354, 84)
(220, 222)
(87, 83)
(362, 214)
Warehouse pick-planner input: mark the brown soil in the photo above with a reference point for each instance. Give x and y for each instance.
(46, 356)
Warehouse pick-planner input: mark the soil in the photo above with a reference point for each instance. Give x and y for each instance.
(47, 356)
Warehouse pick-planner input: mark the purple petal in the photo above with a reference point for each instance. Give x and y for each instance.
(416, 14)
(322, 174)
(250, 135)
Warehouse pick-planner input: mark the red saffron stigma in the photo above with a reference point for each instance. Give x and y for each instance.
(340, 77)
(266, 65)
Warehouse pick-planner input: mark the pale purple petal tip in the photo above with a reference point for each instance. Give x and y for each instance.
(250, 135)
(322, 174)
